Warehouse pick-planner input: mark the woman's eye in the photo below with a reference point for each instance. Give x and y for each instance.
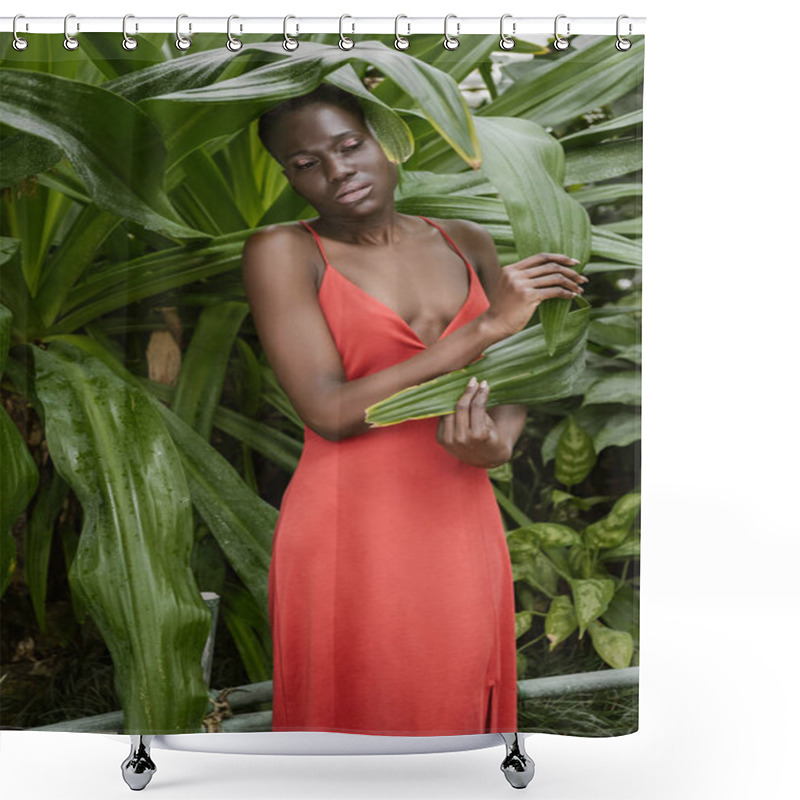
(303, 164)
(351, 145)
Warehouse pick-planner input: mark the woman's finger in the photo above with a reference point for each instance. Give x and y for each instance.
(445, 432)
(462, 414)
(478, 426)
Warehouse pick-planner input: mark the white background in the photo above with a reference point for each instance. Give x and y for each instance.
(719, 696)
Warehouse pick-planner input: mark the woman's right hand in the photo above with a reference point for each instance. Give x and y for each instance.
(523, 285)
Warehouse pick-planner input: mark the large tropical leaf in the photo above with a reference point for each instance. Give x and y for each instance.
(519, 369)
(117, 285)
(205, 364)
(114, 147)
(240, 521)
(132, 565)
(19, 475)
(593, 74)
(526, 166)
(190, 117)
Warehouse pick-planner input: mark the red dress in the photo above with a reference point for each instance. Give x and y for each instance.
(391, 596)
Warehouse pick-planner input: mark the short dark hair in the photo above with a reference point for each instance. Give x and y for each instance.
(324, 93)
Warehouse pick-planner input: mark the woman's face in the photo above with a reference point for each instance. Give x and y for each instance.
(332, 160)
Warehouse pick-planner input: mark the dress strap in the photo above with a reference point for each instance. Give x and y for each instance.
(317, 240)
(447, 238)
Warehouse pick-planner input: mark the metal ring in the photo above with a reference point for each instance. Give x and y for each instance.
(19, 43)
(289, 43)
(400, 42)
(559, 43)
(70, 42)
(623, 44)
(128, 42)
(506, 42)
(181, 42)
(345, 42)
(233, 44)
(451, 42)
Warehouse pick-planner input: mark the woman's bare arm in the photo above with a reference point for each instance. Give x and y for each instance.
(279, 277)
(480, 436)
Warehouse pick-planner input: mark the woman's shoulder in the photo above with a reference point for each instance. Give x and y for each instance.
(275, 246)
(278, 236)
(472, 239)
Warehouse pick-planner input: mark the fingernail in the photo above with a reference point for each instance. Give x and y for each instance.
(575, 261)
(484, 384)
(472, 382)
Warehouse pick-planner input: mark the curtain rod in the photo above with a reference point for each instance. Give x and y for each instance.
(298, 24)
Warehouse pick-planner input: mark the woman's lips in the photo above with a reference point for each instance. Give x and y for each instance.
(354, 194)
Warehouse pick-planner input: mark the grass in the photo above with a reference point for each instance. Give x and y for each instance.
(603, 712)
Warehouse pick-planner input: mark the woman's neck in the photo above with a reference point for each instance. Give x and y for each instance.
(382, 228)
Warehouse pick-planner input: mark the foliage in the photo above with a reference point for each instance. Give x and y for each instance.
(131, 181)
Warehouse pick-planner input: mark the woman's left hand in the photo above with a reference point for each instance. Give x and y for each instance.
(470, 434)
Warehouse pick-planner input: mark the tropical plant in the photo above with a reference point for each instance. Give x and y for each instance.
(139, 406)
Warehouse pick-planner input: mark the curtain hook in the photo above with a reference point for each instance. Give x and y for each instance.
(451, 42)
(289, 43)
(128, 42)
(345, 42)
(623, 44)
(400, 42)
(70, 42)
(506, 42)
(559, 43)
(181, 42)
(233, 44)
(19, 43)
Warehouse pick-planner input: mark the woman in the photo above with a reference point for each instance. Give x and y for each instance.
(391, 598)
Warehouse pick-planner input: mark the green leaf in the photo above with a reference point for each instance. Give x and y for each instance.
(94, 127)
(132, 564)
(522, 623)
(25, 155)
(6, 321)
(536, 569)
(241, 522)
(614, 647)
(526, 166)
(546, 534)
(620, 387)
(591, 597)
(38, 539)
(517, 368)
(608, 425)
(18, 480)
(14, 291)
(591, 74)
(575, 454)
(612, 530)
(630, 548)
(603, 161)
(205, 364)
(244, 618)
(72, 258)
(607, 244)
(279, 448)
(622, 613)
(619, 330)
(607, 193)
(560, 621)
(193, 116)
(603, 131)
(118, 285)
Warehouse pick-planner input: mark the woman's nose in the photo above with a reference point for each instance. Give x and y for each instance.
(337, 169)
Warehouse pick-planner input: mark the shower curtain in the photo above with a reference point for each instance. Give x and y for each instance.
(147, 443)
